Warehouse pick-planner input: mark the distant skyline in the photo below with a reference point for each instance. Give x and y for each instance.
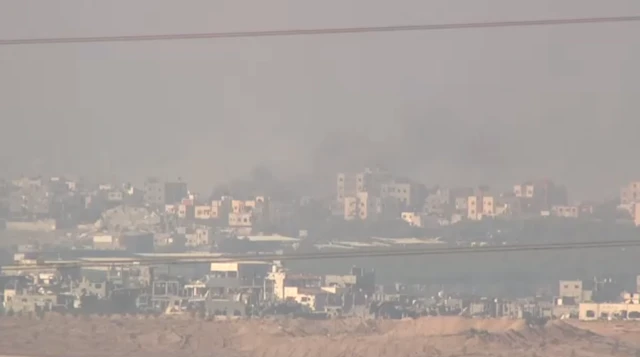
(493, 106)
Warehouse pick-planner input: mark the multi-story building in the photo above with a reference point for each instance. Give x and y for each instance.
(362, 206)
(407, 193)
(565, 211)
(572, 292)
(540, 195)
(202, 212)
(346, 185)
(481, 204)
(413, 218)
(369, 180)
(158, 193)
(350, 208)
(630, 193)
(154, 192)
(438, 201)
(237, 220)
(30, 200)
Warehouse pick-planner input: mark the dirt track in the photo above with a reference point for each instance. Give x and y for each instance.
(163, 337)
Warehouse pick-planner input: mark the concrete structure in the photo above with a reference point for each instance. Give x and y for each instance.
(115, 196)
(240, 220)
(412, 218)
(104, 242)
(481, 205)
(565, 211)
(122, 218)
(363, 206)
(346, 185)
(202, 212)
(630, 193)
(45, 225)
(199, 237)
(369, 180)
(609, 311)
(407, 193)
(158, 193)
(281, 280)
(313, 298)
(241, 269)
(440, 201)
(540, 195)
(154, 192)
(570, 289)
(572, 292)
(134, 242)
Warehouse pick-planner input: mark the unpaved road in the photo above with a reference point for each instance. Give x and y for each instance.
(67, 336)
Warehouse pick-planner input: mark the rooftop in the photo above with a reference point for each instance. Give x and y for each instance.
(270, 238)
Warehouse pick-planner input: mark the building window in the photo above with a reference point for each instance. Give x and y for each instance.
(591, 314)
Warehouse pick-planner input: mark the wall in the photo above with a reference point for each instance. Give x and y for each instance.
(593, 311)
(570, 289)
(48, 225)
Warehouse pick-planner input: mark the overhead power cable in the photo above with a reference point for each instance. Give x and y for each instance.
(319, 31)
(146, 261)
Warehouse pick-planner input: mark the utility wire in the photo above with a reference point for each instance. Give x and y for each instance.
(146, 261)
(319, 31)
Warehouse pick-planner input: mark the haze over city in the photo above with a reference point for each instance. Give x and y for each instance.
(461, 107)
(319, 178)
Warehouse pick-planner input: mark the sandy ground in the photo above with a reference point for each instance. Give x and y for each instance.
(130, 336)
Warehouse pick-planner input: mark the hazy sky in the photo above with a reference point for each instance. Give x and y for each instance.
(449, 107)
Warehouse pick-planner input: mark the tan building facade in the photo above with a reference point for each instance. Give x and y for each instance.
(630, 193)
(609, 311)
(363, 206)
(565, 211)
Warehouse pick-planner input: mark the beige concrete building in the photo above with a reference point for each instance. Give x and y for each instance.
(350, 208)
(540, 195)
(609, 311)
(401, 191)
(369, 206)
(630, 193)
(571, 289)
(202, 212)
(413, 218)
(216, 209)
(363, 206)
(315, 299)
(369, 180)
(565, 211)
(240, 220)
(346, 185)
(484, 206)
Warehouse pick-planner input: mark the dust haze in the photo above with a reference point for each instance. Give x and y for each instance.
(455, 107)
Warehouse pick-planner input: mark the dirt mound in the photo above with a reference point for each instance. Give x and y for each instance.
(133, 336)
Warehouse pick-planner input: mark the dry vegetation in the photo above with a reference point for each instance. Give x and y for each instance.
(132, 336)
